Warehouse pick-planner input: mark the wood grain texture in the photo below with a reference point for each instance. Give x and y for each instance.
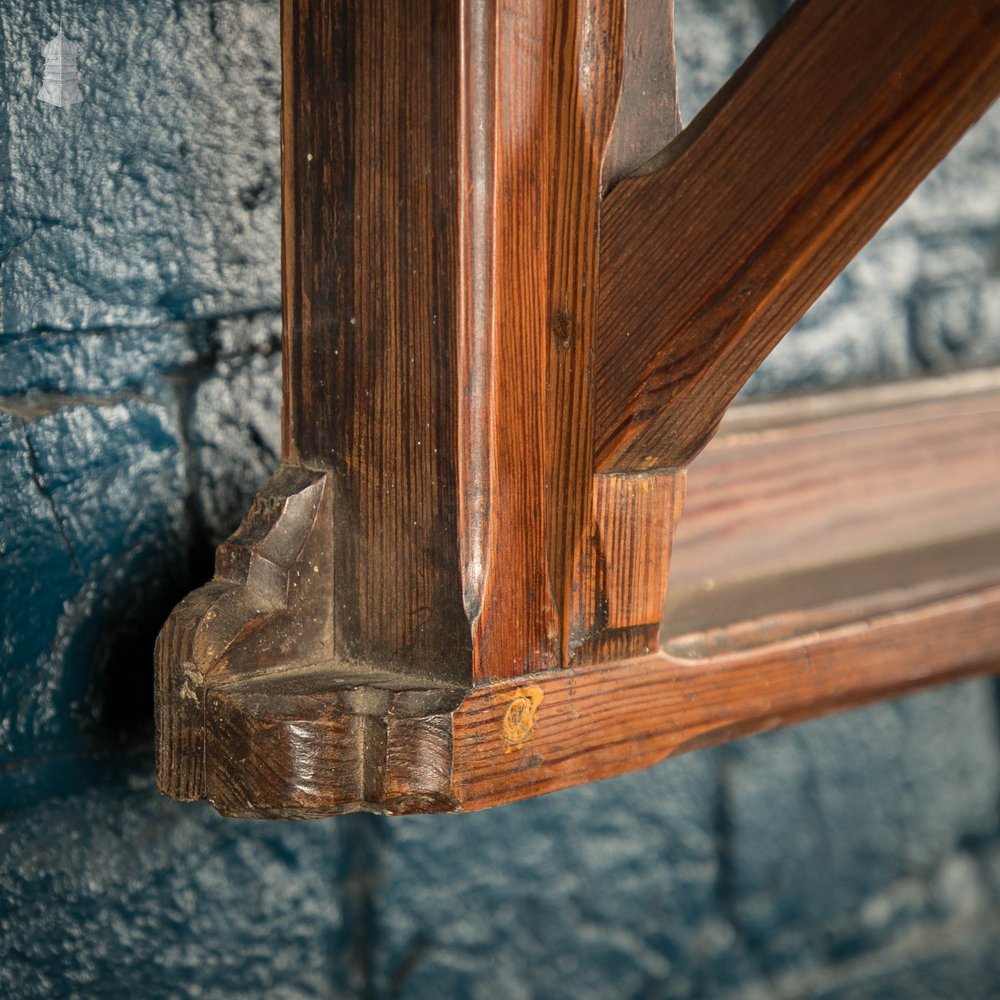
(546, 81)
(583, 106)
(840, 476)
(442, 181)
(269, 605)
(872, 614)
(762, 200)
(370, 258)
(451, 593)
(605, 720)
(516, 628)
(308, 744)
(623, 584)
(817, 604)
(648, 115)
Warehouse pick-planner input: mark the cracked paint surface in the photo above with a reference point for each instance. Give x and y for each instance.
(855, 857)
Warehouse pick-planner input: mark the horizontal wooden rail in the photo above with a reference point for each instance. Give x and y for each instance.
(707, 261)
(833, 551)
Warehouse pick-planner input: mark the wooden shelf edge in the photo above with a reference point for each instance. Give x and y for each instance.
(606, 720)
(317, 741)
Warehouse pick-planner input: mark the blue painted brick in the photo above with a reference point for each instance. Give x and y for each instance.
(121, 893)
(94, 535)
(604, 890)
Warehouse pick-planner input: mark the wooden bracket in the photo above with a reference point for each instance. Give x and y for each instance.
(514, 312)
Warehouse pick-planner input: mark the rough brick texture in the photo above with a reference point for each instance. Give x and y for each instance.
(854, 857)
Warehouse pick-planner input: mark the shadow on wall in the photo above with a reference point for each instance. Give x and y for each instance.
(139, 391)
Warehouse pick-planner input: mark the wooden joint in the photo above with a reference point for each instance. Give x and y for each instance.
(516, 305)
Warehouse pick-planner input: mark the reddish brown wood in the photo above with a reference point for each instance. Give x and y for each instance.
(875, 614)
(535, 177)
(624, 579)
(811, 604)
(593, 723)
(707, 262)
(442, 180)
(648, 116)
(443, 600)
(841, 476)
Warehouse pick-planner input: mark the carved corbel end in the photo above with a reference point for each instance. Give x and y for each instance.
(256, 713)
(260, 711)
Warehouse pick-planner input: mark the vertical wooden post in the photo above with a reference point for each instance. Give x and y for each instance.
(436, 523)
(371, 269)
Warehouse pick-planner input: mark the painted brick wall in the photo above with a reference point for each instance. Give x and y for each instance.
(854, 857)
